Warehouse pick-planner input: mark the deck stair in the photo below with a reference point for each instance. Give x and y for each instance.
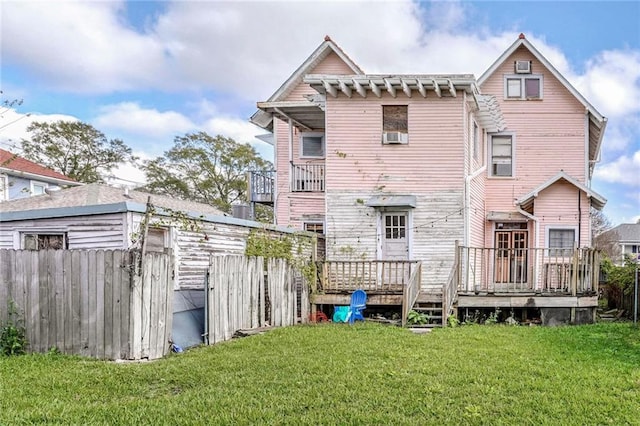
(430, 304)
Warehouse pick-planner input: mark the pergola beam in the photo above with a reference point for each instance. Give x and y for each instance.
(330, 89)
(452, 88)
(422, 89)
(436, 88)
(361, 90)
(390, 88)
(405, 88)
(374, 88)
(344, 88)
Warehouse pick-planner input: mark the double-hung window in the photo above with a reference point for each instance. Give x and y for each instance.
(523, 86)
(561, 241)
(312, 145)
(502, 155)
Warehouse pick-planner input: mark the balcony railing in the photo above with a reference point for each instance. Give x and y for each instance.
(261, 186)
(566, 271)
(383, 276)
(308, 177)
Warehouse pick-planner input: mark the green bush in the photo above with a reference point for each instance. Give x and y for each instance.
(13, 340)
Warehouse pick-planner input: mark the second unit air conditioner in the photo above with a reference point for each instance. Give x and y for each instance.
(523, 67)
(395, 138)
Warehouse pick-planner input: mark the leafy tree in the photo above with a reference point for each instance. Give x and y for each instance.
(75, 149)
(203, 168)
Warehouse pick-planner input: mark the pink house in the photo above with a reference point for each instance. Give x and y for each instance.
(445, 193)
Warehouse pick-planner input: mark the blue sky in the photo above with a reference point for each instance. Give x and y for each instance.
(146, 72)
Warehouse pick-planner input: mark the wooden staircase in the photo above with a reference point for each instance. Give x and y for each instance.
(430, 304)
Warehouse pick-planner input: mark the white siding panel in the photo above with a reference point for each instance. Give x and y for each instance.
(437, 222)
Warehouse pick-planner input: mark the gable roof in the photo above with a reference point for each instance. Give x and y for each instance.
(627, 232)
(265, 119)
(597, 122)
(597, 200)
(13, 164)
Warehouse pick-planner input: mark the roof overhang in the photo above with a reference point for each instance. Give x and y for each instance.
(392, 200)
(409, 85)
(505, 216)
(597, 200)
(41, 178)
(306, 115)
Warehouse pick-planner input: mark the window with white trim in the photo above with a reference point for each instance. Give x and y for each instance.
(501, 155)
(38, 188)
(44, 241)
(523, 86)
(561, 241)
(312, 145)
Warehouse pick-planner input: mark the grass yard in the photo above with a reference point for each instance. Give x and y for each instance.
(340, 374)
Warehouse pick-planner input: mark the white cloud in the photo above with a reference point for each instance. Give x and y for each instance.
(133, 119)
(13, 125)
(624, 170)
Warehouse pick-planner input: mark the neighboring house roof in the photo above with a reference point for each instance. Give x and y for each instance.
(95, 195)
(597, 122)
(627, 232)
(265, 119)
(597, 200)
(13, 164)
(94, 199)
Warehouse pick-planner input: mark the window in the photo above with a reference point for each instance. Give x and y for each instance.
(38, 188)
(395, 226)
(476, 141)
(523, 87)
(634, 249)
(156, 240)
(44, 241)
(502, 155)
(562, 240)
(312, 145)
(4, 188)
(395, 124)
(314, 227)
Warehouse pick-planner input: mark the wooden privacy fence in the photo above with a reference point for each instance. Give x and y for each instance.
(99, 303)
(242, 294)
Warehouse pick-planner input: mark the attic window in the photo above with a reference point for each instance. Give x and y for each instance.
(523, 86)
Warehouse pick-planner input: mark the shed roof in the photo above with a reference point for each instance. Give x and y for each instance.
(627, 232)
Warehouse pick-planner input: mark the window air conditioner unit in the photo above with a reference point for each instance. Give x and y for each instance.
(523, 67)
(394, 138)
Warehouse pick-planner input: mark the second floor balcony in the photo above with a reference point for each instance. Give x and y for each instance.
(307, 177)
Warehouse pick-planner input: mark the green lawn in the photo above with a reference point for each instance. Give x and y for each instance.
(341, 374)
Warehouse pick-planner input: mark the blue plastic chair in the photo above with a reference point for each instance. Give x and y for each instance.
(358, 304)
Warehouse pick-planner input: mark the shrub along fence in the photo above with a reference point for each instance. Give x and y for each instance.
(107, 304)
(243, 294)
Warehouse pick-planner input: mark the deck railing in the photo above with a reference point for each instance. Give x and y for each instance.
(410, 291)
(369, 275)
(567, 271)
(450, 288)
(261, 186)
(307, 177)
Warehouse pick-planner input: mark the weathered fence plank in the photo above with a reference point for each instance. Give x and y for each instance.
(79, 301)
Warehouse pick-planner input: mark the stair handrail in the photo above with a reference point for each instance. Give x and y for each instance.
(450, 287)
(410, 292)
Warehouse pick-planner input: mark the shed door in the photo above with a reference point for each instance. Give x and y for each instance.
(395, 236)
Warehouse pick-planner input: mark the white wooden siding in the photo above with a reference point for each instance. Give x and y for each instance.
(437, 222)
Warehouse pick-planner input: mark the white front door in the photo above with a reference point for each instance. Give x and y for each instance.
(395, 236)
